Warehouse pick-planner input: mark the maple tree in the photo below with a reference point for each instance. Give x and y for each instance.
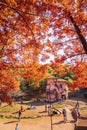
(76, 75)
(80, 75)
(67, 28)
(8, 81)
(37, 30)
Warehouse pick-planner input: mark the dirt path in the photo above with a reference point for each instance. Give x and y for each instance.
(37, 124)
(43, 123)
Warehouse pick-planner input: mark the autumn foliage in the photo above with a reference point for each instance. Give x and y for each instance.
(38, 34)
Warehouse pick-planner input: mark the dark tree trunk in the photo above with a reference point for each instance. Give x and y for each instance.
(78, 31)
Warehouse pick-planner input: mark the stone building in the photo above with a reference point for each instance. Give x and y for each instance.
(56, 89)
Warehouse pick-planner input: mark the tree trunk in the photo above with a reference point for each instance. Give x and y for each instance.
(78, 31)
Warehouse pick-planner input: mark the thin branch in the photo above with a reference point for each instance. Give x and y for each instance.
(78, 54)
(75, 55)
(7, 4)
(25, 22)
(68, 40)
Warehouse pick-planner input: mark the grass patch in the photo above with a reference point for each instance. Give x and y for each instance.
(58, 106)
(1, 117)
(8, 108)
(31, 113)
(83, 108)
(11, 112)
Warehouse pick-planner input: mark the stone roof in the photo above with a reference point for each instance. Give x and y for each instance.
(62, 80)
(51, 77)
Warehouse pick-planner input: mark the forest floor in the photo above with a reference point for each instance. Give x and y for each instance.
(43, 121)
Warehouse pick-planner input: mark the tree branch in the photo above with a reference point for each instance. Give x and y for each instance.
(21, 15)
(78, 31)
(7, 4)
